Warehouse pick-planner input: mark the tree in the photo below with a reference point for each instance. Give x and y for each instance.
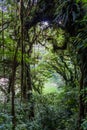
(65, 16)
(21, 28)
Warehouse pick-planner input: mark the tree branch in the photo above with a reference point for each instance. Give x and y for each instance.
(5, 26)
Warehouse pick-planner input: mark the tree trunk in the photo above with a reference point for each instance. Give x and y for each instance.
(13, 97)
(22, 46)
(81, 104)
(13, 88)
(83, 86)
(13, 93)
(29, 95)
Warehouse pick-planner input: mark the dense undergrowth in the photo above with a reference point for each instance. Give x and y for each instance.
(52, 111)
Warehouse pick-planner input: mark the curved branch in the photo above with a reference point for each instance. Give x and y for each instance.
(5, 26)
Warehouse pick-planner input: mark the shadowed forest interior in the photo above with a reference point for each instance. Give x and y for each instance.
(43, 64)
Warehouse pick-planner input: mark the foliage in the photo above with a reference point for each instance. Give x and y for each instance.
(51, 111)
(33, 36)
(84, 124)
(5, 121)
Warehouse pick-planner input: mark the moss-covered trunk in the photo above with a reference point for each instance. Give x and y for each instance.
(83, 85)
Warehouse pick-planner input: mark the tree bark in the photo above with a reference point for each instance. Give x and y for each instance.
(29, 94)
(83, 86)
(22, 46)
(13, 90)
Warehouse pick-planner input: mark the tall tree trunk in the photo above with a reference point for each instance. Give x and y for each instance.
(22, 46)
(83, 86)
(9, 88)
(81, 104)
(29, 84)
(13, 88)
(24, 91)
(13, 96)
(29, 94)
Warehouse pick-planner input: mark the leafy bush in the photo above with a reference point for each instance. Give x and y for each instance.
(84, 124)
(55, 112)
(5, 122)
(52, 111)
